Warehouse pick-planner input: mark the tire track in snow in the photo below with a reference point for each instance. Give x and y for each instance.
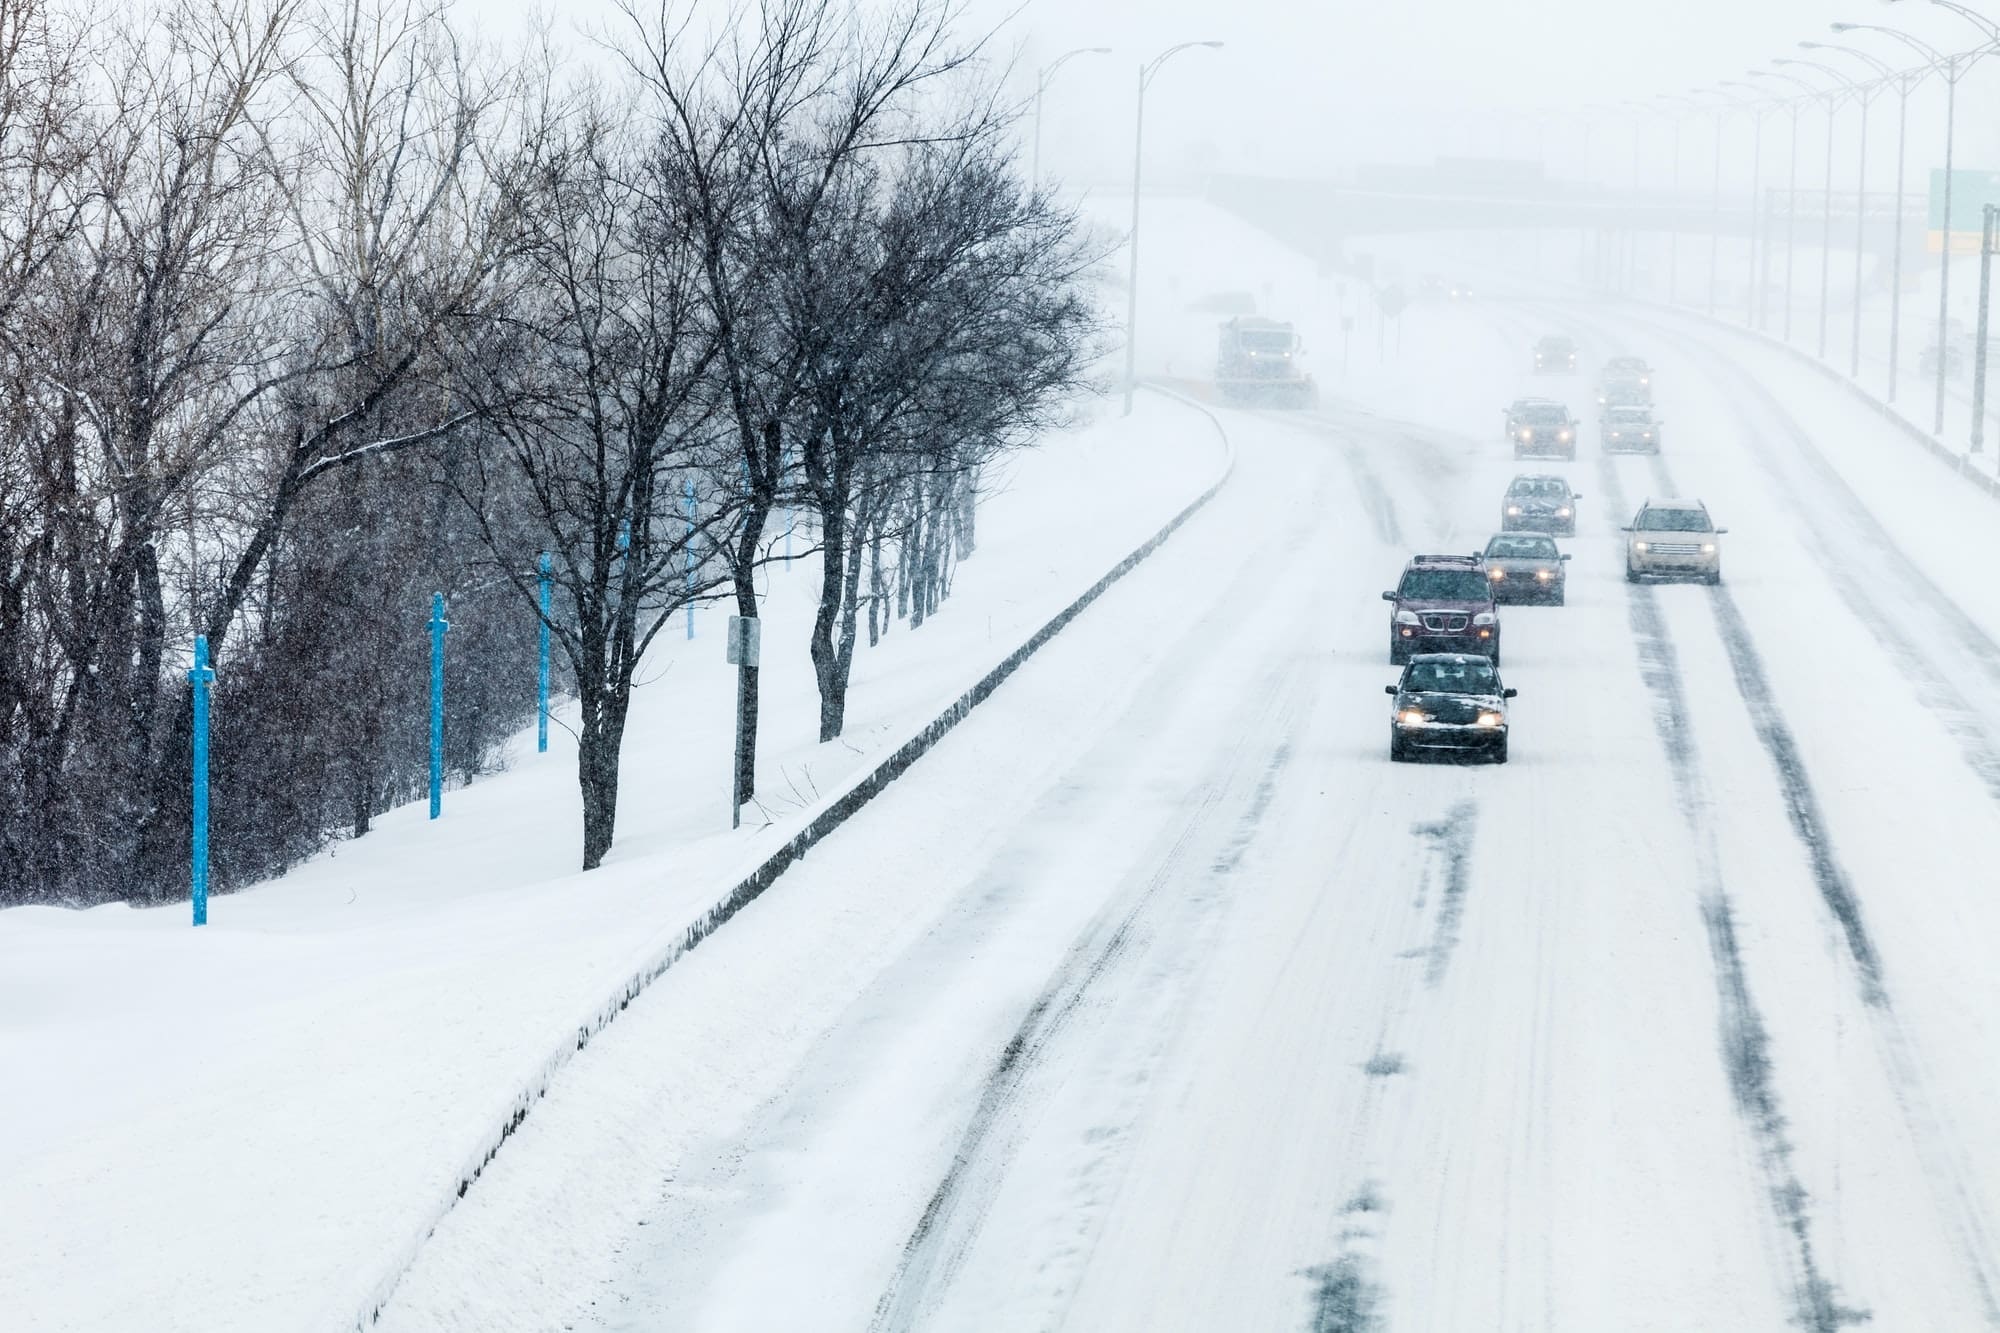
(1943, 1162)
(953, 1216)
(1745, 1041)
(1451, 841)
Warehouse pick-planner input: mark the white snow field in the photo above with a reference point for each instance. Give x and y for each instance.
(1155, 998)
(253, 1125)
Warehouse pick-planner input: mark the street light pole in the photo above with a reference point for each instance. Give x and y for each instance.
(1760, 243)
(1791, 188)
(1146, 73)
(1043, 77)
(1862, 94)
(1903, 81)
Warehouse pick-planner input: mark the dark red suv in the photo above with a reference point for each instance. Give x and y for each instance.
(1444, 604)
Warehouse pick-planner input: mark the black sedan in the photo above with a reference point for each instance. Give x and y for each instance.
(1525, 567)
(1451, 704)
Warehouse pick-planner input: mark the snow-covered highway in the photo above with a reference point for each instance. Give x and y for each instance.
(1162, 1000)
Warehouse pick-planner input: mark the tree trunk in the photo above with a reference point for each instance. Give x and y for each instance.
(598, 743)
(825, 655)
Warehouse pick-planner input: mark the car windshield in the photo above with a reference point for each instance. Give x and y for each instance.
(1270, 341)
(1627, 363)
(1555, 344)
(1673, 520)
(1444, 585)
(1546, 488)
(1630, 416)
(1469, 676)
(1543, 415)
(1508, 546)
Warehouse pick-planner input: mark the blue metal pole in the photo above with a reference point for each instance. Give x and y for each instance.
(542, 673)
(689, 556)
(201, 677)
(438, 626)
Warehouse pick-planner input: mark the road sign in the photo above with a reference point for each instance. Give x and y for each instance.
(745, 640)
(1971, 192)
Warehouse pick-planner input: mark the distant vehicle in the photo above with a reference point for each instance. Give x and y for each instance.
(1539, 502)
(1260, 362)
(1624, 392)
(1628, 430)
(1555, 352)
(1675, 538)
(1432, 287)
(1461, 291)
(1525, 567)
(1449, 703)
(1443, 603)
(1541, 428)
(1952, 354)
(1634, 366)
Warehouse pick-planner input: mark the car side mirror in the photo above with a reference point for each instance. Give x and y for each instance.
(1388, 596)
(1624, 529)
(1720, 531)
(1509, 693)
(1388, 689)
(1563, 556)
(1575, 495)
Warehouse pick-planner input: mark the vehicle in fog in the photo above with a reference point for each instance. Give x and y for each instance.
(1630, 366)
(1451, 704)
(1628, 429)
(1539, 502)
(1623, 390)
(1555, 352)
(1541, 428)
(1260, 362)
(1525, 567)
(1673, 538)
(1443, 604)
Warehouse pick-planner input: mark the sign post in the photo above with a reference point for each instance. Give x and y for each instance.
(1987, 238)
(745, 643)
(438, 626)
(201, 676)
(542, 669)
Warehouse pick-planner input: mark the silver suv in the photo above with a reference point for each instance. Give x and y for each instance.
(1675, 538)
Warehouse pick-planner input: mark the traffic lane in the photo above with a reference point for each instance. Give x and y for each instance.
(1397, 1063)
(868, 1124)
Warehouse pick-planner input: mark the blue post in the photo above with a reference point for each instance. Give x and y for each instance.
(689, 552)
(542, 674)
(438, 626)
(201, 677)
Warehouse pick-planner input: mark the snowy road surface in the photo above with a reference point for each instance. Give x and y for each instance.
(1163, 1001)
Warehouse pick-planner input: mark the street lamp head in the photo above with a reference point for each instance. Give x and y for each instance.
(1211, 45)
(1846, 27)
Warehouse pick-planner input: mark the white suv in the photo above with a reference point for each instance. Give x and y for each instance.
(1673, 537)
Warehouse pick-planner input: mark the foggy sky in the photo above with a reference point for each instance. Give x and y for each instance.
(1317, 85)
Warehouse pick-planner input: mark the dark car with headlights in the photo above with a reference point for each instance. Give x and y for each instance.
(1449, 704)
(1443, 603)
(1525, 567)
(1628, 429)
(1555, 353)
(1539, 502)
(1542, 428)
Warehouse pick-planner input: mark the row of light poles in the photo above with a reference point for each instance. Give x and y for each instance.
(1834, 88)
(1043, 76)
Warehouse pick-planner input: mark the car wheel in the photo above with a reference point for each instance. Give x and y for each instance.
(1714, 580)
(1399, 753)
(1559, 598)
(1500, 751)
(1631, 574)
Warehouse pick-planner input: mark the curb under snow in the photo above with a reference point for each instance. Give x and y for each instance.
(835, 812)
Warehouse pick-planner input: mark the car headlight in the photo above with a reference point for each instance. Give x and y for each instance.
(1486, 618)
(1562, 513)
(1562, 435)
(1496, 574)
(1407, 618)
(1616, 436)
(1527, 435)
(1412, 717)
(1708, 548)
(1492, 720)
(1640, 547)
(1545, 574)
(1513, 511)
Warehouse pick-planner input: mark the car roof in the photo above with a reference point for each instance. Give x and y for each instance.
(1443, 561)
(1556, 338)
(1537, 476)
(1521, 537)
(1455, 659)
(1671, 502)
